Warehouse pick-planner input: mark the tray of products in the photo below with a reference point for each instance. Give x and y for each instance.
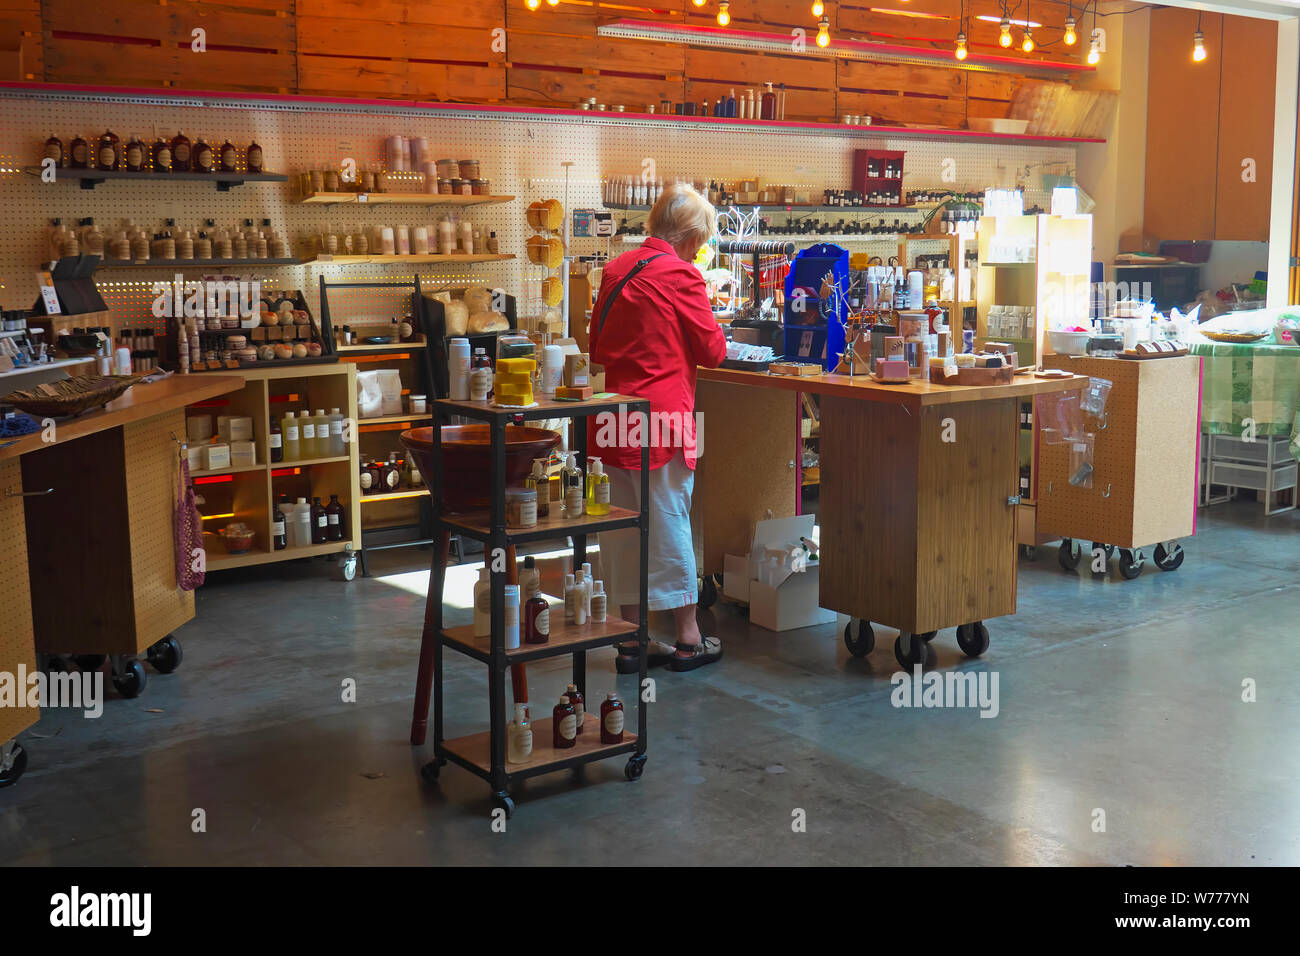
(1153, 350)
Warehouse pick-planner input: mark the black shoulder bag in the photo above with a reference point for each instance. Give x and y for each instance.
(618, 289)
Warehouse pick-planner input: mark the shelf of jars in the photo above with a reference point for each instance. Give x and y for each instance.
(400, 199)
(379, 260)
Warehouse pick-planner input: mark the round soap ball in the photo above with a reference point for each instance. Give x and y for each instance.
(300, 350)
(283, 351)
(266, 353)
(313, 349)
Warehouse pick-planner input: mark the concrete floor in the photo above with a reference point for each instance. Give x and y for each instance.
(1118, 695)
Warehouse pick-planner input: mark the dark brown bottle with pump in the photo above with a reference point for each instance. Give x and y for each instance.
(180, 153)
(136, 156)
(579, 705)
(611, 720)
(106, 157)
(54, 150)
(203, 158)
(162, 156)
(564, 725)
(79, 154)
(279, 540)
(229, 158)
(275, 438)
(537, 624)
(334, 515)
(319, 522)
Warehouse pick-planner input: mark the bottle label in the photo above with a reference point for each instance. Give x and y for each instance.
(333, 520)
(602, 493)
(569, 607)
(228, 157)
(527, 514)
(573, 502)
(484, 602)
(542, 623)
(523, 744)
(53, 152)
(163, 158)
(366, 481)
(569, 727)
(205, 159)
(79, 154)
(336, 427)
(277, 440)
(134, 157)
(182, 153)
(277, 527)
(322, 521)
(291, 433)
(392, 476)
(579, 711)
(107, 156)
(614, 722)
(309, 432)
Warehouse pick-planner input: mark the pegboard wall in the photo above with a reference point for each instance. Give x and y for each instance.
(521, 155)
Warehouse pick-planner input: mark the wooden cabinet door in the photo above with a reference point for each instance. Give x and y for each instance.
(1245, 162)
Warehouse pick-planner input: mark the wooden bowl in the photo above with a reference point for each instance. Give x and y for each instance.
(466, 460)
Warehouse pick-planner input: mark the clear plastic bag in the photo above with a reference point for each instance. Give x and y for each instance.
(1062, 417)
(1093, 396)
(1082, 456)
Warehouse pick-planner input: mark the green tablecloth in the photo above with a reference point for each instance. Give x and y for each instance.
(1250, 381)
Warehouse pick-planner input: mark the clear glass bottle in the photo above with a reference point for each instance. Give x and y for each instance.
(337, 446)
(519, 737)
(597, 488)
(290, 437)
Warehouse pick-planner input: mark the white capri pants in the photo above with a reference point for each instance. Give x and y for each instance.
(671, 569)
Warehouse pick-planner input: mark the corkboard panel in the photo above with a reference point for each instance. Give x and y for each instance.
(1246, 93)
(152, 469)
(16, 645)
(1168, 445)
(745, 474)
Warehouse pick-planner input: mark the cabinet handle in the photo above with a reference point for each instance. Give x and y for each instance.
(10, 493)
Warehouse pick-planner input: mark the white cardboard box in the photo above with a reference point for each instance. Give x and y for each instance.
(792, 605)
(780, 598)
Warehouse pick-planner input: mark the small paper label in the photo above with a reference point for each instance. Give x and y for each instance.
(362, 197)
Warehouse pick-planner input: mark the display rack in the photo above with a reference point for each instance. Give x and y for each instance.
(484, 754)
(90, 178)
(400, 199)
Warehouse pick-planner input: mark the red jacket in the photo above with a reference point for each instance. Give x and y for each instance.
(657, 331)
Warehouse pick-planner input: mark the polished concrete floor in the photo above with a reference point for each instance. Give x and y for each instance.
(1123, 697)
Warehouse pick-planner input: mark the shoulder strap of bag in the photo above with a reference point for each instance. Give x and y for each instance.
(618, 289)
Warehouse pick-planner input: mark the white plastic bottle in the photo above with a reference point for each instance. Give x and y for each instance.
(301, 524)
(599, 603)
(570, 598)
(483, 604)
(290, 438)
(519, 736)
(512, 617)
(587, 582)
(337, 448)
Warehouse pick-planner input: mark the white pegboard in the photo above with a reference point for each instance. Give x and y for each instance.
(520, 155)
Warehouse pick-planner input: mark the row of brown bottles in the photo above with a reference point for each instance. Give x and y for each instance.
(178, 155)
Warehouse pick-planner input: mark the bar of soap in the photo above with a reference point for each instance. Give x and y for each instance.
(965, 360)
(513, 395)
(574, 393)
(893, 370)
(516, 379)
(516, 366)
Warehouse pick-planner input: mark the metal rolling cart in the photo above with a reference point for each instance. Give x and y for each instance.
(484, 754)
(1142, 485)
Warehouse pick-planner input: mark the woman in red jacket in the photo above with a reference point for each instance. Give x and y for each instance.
(652, 325)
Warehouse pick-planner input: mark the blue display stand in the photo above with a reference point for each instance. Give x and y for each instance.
(822, 340)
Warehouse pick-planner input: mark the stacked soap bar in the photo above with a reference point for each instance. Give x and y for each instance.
(514, 381)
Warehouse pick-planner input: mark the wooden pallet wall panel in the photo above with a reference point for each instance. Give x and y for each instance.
(21, 20)
(400, 79)
(809, 81)
(936, 23)
(900, 93)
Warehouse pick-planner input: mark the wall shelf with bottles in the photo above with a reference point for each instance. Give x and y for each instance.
(401, 199)
(410, 260)
(90, 178)
(193, 263)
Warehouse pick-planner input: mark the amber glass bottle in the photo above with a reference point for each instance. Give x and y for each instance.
(162, 156)
(564, 726)
(229, 158)
(253, 158)
(203, 157)
(79, 154)
(54, 150)
(611, 720)
(136, 156)
(181, 153)
(107, 156)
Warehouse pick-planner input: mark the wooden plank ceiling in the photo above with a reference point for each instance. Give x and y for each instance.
(498, 51)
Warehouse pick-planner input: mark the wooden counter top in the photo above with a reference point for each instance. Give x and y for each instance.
(914, 394)
(141, 401)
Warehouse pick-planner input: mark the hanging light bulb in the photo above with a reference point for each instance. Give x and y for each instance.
(960, 52)
(1027, 44)
(1070, 36)
(1094, 51)
(824, 32)
(532, 4)
(698, 3)
(724, 13)
(1004, 38)
(818, 8)
(1198, 47)
(552, 3)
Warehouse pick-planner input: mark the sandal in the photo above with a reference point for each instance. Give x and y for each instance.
(706, 652)
(629, 656)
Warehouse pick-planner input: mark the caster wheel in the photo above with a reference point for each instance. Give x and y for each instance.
(928, 636)
(973, 639)
(634, 767)
(166, 655)
(17, 765)
(1170, 560)
(132, 681)
(1069, 554)
(89, 663)
(1029, 552)
(429, 772)
(1108, 548)
(911, 651)
(348, 568)
(708, 592)
(1131, 563)
(859, 638)
(502, 801)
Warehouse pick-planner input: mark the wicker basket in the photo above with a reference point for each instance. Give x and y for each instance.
(71, 396)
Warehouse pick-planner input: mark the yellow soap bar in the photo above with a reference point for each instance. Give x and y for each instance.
(516, 365)
(521, 379)
(514, 395)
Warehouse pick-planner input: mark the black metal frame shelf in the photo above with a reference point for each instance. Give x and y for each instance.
(570, 639)
(90, 178)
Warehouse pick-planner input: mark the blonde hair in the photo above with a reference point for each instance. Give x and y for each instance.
(682, 217)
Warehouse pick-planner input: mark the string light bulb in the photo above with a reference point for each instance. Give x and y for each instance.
(818, 8)
(552, 3)
(1027, 44)
(698, 3)
(532, 4)
(960, 52)
(1071, 38)
(1198, 47)
(824, 32)
(724, 13)
(1094, 51)
(1004, 38)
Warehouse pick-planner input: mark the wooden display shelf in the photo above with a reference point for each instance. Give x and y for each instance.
(90, 178)
(410, 260)
(393, 419)
(308, 462)
(209, 473)
(566, 638)
(402, 199)
(476, 525)
(396, 495)
(222, 562)
(476, 749)
(385, 347)
(193, 263)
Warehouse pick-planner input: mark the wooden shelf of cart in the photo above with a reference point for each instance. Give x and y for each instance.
(248, 494)
(484, 754)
